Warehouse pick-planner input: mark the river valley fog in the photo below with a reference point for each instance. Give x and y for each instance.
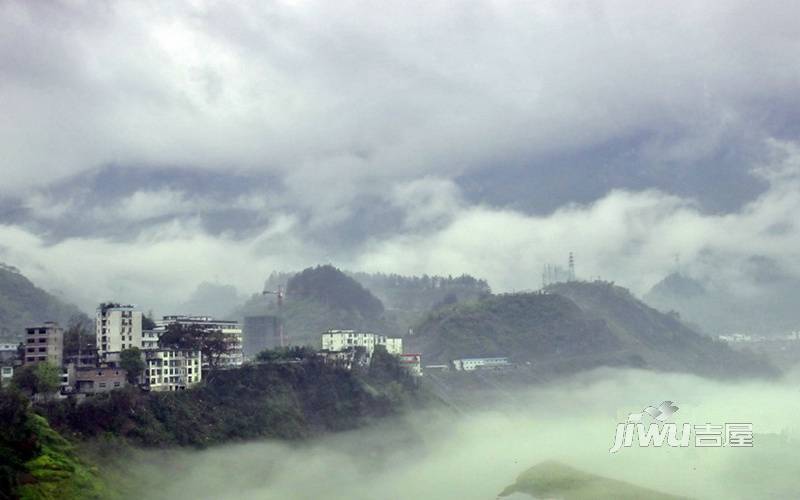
(475, 453)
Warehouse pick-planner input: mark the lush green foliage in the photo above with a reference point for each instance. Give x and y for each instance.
(39, 378)
(131, 361)
(35, 461)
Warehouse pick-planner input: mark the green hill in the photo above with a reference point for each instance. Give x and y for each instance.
(578, 326)
(321, 298)
(527, 327)
(554, 480)
(23, 304)
(663, 340)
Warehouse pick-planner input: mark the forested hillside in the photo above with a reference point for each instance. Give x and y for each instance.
(583, 324)
(22, 304)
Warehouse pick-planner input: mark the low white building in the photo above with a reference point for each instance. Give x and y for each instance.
(339, 340)
(471, 364)
(172, 369)
(6, 374)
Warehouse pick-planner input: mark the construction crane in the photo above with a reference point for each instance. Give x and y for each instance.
(278, 293)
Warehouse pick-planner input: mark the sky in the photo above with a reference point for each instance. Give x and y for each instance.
(149, 147)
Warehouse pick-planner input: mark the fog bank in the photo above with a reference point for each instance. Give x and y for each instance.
(475, 454)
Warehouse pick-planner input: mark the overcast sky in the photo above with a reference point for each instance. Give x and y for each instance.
(150, 146)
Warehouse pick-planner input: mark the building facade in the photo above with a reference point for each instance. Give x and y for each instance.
(472, 364)
(44, 343)
(233, 356)
(93, 380)
(118, 327)
(172, 369)
(340, 340)
(260, 333)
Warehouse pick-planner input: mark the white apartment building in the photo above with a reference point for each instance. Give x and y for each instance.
(118, 327)
(472, 364)
(231, 329)
(172, 369)
(339, 340)
(44, 343)
(150, 338)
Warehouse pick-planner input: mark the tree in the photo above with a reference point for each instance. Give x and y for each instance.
(41, 378)
(147, 321)
(80, 335)
(131, 361)
(213, 344)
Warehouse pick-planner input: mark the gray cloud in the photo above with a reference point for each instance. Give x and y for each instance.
(167, 145)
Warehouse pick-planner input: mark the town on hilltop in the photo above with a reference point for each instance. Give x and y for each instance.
(174, 352)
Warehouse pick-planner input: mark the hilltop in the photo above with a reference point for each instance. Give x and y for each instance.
(23, 304)
(580, 325)
(321, 298)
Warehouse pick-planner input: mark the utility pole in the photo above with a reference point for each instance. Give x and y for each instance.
(279, 294)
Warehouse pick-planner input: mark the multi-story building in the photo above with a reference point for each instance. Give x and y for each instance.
(150, 338)
(118, 327)
(232, 356)
(94, 380)
(260, 333)
(172, 369)
(44, 343)
(339, 340)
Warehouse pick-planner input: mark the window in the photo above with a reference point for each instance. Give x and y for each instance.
(116, 384)
(102, 384)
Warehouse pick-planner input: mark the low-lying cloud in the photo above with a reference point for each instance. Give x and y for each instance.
(629, 237)
(476, 454)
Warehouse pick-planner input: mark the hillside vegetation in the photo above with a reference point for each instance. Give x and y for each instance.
(36, 463)
(322, 298)
(580, 325)
(23, 304)
(278, 400)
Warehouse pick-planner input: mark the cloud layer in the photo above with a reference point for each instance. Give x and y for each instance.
(153, 147)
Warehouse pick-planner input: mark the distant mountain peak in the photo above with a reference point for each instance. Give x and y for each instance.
(678, 285)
